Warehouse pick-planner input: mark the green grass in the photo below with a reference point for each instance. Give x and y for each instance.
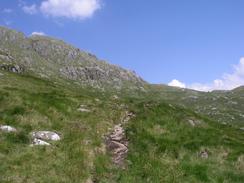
(163, 146)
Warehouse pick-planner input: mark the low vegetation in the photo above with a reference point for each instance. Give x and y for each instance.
(163, 145)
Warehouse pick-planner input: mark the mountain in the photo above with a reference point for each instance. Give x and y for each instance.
(55, 60)
(66, 117)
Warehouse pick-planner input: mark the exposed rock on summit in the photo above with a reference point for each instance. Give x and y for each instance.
(54, 59)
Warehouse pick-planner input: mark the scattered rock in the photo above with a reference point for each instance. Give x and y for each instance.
(83, 108)
(1, 74)
(194, 122)
(204, 154)
(119, 151)
(12, 68)
(115, 97)
(46, 135)
(242, 115)
(191, 122)
(89, 180)
(38, 142)
(6, 128)
(118, 133)
(240, 163)
(117, 143)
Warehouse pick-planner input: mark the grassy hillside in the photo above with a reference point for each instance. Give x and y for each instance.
(28, 104)
(225, 107)
(167, 142)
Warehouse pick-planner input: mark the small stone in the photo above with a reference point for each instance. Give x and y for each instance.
(7, 128)
(191, 122)
(204, 154)
(83, 108)
(38, 142)
(46, 135)
(115, 97)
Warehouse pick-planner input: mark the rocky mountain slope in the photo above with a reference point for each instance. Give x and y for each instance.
(66, 117)
(55, 60)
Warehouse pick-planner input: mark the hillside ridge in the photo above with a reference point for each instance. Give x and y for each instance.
(54, 59)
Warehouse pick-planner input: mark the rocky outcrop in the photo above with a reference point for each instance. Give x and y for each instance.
(54, 59)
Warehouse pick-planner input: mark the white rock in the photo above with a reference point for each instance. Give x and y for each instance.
(115, 97)
(83, 110)
(46, 135)
(6, 128)
(38, 142)
(204, 154)
(191, 122)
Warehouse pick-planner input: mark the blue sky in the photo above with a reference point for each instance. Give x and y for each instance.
(197, 42)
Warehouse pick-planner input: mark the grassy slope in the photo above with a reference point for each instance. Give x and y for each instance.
(163, 147)
(224, 107)
(32, 104)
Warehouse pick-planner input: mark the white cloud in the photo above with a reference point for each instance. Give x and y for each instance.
(7, 10)
(177, 83)
(75, 9)
(38, 34)
(32, 9)
(226, 82)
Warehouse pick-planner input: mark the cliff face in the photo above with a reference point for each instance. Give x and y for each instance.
(54, 59)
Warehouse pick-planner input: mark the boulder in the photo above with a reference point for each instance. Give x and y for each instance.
(6, 128)
(46, 135)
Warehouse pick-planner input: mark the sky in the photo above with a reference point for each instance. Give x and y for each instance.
(196, 44)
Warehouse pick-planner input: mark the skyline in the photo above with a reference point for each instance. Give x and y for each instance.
(193, 44)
